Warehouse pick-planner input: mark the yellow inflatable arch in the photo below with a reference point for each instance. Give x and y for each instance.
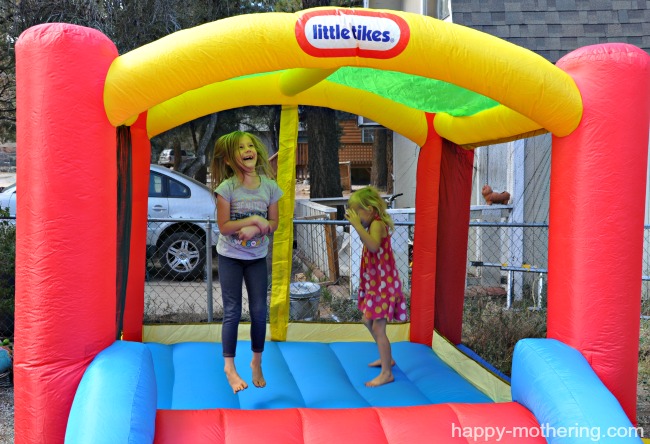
(391, 67)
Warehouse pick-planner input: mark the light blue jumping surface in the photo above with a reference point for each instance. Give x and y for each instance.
(189, 376)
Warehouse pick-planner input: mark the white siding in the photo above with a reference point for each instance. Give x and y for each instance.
(405, 163)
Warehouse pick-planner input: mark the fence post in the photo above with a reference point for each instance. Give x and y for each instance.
(208, 267)
(332, 249)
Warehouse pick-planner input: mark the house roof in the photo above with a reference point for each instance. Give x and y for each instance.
(553, 28)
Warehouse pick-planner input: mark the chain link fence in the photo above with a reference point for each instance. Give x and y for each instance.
(645, 282)
(182, 279)
(181, 264)
(507, 268)
(507, 265)
(508, 260)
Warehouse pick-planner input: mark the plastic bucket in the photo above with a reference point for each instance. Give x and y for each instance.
(304, 298)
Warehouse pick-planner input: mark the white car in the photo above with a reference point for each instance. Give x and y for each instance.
(166, 157)
(8, 200)
(178, 214)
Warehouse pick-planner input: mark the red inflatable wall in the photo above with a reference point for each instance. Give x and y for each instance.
(439, 423)
(141, 155)
(598, 177)
(66, 184)
(423, 284)
(456, 168)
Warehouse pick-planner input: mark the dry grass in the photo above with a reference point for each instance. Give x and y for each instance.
(492, 332)
(643, 395)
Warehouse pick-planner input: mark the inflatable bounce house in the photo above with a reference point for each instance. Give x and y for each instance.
(86, 369)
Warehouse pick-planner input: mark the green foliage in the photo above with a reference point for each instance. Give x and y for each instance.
(7, 262)
(345, 310)
(297, 5)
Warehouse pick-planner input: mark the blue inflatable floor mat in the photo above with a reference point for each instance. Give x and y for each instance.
(190, 376)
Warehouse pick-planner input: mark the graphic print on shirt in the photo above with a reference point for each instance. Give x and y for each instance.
(241, 210)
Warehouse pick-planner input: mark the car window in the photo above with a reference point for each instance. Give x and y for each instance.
(155, 185)
(9, 189)
(177, 189)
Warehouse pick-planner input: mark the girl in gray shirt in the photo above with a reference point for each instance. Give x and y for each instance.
(247, 213)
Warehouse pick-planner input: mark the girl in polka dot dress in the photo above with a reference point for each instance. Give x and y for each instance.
(380, 290)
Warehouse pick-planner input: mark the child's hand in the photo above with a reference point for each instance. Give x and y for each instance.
(352, 217)
(263, 225)
(249, 232)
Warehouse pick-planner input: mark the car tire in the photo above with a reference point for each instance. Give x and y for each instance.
(182, 256)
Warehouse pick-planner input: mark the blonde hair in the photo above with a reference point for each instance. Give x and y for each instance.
(224, 158)
(368, 198)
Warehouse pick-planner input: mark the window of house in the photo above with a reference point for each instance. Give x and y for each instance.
(367, 135)
(444, 9)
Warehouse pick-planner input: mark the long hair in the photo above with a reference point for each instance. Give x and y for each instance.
(368, 198)
(225, 155)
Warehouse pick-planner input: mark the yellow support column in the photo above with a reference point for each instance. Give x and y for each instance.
(283, 237)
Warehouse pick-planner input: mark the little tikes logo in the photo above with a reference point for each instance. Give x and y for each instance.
(350, 33)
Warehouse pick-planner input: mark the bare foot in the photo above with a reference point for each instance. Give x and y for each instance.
(377, 363)
(258, 377)
(235, 381)
(383, 378)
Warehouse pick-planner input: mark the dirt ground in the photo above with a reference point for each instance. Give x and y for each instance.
(6, 415)
(302, 190)
(643, 408)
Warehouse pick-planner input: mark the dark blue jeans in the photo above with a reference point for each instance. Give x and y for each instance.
(232, 272)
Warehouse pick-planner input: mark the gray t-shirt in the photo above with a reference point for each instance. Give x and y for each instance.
(244, 203)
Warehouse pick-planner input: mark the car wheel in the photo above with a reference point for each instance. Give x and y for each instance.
(183, 255)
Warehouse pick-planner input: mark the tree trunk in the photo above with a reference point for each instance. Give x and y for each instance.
(197, 167)
(274, 127)
(323, 152)
(177, 156)
(323, 139)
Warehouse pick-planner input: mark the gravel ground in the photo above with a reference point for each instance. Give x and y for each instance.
(6, 415)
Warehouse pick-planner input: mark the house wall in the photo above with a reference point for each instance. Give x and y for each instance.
(351, 149)
(492, 165)
(350, 132)
(427, 7)
(537, 172)
(405, 162)
(521, 168)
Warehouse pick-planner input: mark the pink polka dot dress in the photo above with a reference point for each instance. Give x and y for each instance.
(380, 289)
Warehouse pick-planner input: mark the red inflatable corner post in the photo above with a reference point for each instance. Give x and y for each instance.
(65, 244)
(598, 177)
